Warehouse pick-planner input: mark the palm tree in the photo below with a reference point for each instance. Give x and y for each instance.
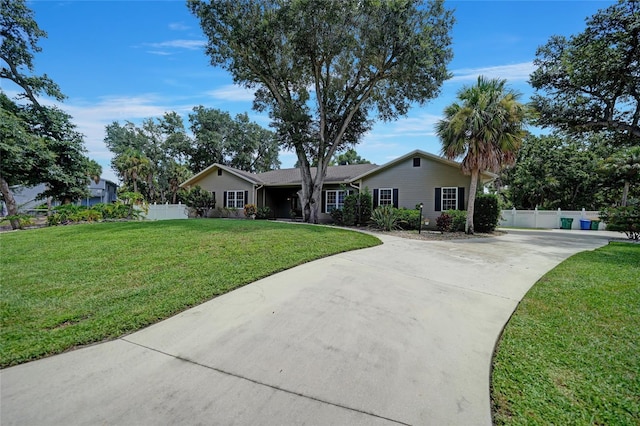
(133, 165)
(178, 173)
(486, 126)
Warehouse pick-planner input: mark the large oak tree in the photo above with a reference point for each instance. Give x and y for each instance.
(325, 69)
(38, 143)
(591, 81)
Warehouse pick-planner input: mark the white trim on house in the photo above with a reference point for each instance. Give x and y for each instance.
(446, 202)
(235, 193)
(337, 204)
(390, 199)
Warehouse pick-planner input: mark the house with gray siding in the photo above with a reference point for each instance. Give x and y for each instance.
(28, 198)
(412, 179)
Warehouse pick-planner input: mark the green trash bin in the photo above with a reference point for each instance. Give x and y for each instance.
(566, 222)
(595, 224)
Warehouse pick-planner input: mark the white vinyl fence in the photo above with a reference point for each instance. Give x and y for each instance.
(549, 218)
(167, 211)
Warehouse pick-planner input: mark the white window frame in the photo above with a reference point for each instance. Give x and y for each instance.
(338, 203)
(388, 201)
(235, 193)
(446, 202)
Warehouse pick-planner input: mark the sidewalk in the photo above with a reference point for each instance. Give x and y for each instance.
(402, 333)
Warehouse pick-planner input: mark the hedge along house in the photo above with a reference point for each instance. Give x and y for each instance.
(412, 179)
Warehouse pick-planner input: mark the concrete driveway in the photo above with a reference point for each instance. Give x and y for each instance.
(402, 333)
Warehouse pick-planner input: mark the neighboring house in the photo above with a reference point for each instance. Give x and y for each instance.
(104, 191)
(415, 178)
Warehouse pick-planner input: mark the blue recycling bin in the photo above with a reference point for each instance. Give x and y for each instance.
(585, 224)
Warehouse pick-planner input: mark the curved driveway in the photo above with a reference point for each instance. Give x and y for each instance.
(402, 333)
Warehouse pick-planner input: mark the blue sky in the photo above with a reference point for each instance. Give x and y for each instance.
(129, 60)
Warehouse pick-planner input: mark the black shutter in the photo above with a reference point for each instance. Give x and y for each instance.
(395, 197)
(461, 198)
(375, 198)
(224, 199)
(438, 207)
(246, 197)
(213, 194)
(323, 207)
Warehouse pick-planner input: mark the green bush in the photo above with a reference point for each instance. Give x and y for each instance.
(408, 219)
(458, 220)
(385, 218)
(200, 200)
(112, 211)
(351, 214)
(350, 210)
(23, 219)
(452, 221)
(263, 213)
(366, 206)
(486, 213)
(337, 216)
(624, 219)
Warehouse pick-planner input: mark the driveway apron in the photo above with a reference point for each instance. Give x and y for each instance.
(402, 333)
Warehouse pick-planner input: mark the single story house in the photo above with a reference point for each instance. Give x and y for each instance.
(415, 178)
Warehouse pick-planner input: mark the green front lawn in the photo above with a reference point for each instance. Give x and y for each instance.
(571, 352)
(62, 287)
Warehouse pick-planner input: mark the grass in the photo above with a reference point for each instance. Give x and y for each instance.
(571, 352)
(62, 287)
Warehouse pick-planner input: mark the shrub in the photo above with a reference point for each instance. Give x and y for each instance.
(263, 213)
(366, 206)
(219, 212)
(385, 218)
(337, 217)
(486, 213)
(200, 200)
(250, 210)
(23, 219)
(458, 220)
(451, 221)
(408, 219)
(443, 222)
(113, 211)
(350, 210)
(624, 219)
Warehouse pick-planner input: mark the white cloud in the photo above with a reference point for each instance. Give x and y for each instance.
(178, 26)
(514, 72)
(232, 93)
(178, 44)
(159, 52)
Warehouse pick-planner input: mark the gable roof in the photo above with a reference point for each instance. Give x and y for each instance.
(285, 177)
(418, 153)
(248, 176)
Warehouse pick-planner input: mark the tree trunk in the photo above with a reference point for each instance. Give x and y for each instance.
(316, 202)
(475, 173)
(12, 206)
(625, 193)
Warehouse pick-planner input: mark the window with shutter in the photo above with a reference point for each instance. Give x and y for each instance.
(235, 199)
(385, 196)
(449, 199)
